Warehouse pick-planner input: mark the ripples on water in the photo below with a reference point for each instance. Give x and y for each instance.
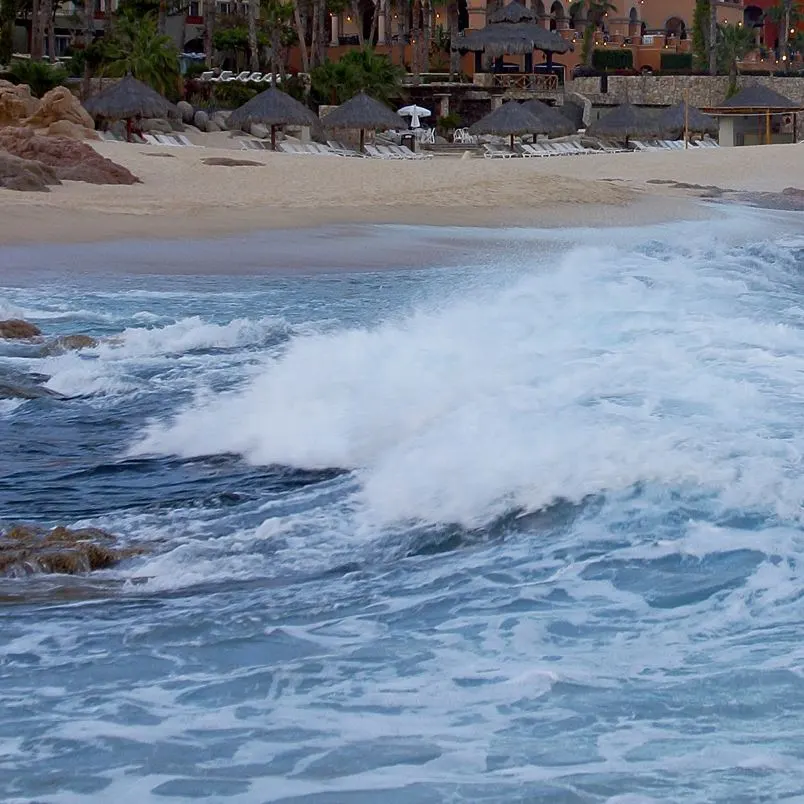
(523, 532)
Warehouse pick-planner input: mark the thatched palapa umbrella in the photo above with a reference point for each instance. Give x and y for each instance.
(364, 113)
(626, 121)
(513, 12)
(554, 124)
(682, 117)
(127, 99)
(509, 120)
(272, 108)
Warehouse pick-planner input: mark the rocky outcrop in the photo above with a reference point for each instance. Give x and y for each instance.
(58, 113)
(25, 174)
(10, 389)
(72, 161)
(68, 343)
(16, 103)
(60, 105)
(17, 329)
(30, 549)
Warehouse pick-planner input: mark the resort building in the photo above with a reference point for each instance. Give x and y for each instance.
(651, 29)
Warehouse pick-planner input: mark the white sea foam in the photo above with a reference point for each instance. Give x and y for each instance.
(607, 369)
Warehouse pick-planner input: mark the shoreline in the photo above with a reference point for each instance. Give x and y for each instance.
(182, 197)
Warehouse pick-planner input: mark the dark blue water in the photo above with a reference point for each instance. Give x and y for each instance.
(528, 530)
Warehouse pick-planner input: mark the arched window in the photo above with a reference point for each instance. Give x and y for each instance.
(676, 27)
(557, 16)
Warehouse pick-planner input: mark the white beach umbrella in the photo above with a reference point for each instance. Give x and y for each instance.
(414, 113)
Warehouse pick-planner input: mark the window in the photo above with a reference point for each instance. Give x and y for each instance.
(195, 9)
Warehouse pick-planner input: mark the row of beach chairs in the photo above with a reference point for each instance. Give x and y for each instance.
(335, 148)
(171, 140)
(246, 77)
(671, 145)
(545, 149)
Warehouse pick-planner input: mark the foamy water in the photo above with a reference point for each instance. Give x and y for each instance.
(528, 530)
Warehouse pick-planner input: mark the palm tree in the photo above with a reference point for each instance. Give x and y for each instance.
(359, 70)
(592, 13)
(786, 16)
(253, 47)
(140, 50)
(734, 43)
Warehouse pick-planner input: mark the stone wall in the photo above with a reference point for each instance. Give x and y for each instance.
(667, 90)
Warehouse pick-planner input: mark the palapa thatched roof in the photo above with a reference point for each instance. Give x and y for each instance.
(509, 119)
(272, 108)
(129, 98)
(762, 98)
(672, 120)
(363, 112)
(512, 38)
(554, 124)
(626, 121)
(513, 12)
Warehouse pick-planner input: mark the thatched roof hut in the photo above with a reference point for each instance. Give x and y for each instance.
(675, 119)
(363, 112)
(626, 121)
(759, 99)
(513, 12)
(554, 124)
(512, 38)
(510, 119)
(127, 99)
(272, 108)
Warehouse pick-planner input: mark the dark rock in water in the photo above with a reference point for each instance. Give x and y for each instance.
(17, 329)
(28, 550)
(68, 343)
(10, 390)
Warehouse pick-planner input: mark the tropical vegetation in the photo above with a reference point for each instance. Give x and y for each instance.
(358, 70)
(734, 43)
(590, 13)
(40, 76)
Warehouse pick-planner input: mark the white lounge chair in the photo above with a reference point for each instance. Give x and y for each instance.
(207, 76)
(226, 75)
(374, 152)
(497, 152)
(242, 76)
(150, 139)
(340, 149)
(254, 77)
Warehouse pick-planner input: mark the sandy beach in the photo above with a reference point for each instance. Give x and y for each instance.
(183, 197)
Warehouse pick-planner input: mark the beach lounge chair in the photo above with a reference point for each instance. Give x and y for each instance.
(166, 139)
(375, 152)
(242, 76)
(207, 76)
(340, 149)
(182, 138)
(408, 154)
(497, 152)
(226, 75)
(255, 77)
(150, 139)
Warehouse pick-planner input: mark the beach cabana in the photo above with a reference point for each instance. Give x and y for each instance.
(681, 118)
(755, 102)
(624, 122)
(554, 124)
(272, 108)
(512, 30)
(129, 99)
(364, 113)
(508, 120)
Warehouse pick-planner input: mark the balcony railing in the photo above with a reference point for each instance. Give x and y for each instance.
(529, 82)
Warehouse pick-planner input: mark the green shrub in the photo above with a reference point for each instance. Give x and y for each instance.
(40, 76)
(449, 122)
(231, 95)
(613, 59)
(675, 62)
